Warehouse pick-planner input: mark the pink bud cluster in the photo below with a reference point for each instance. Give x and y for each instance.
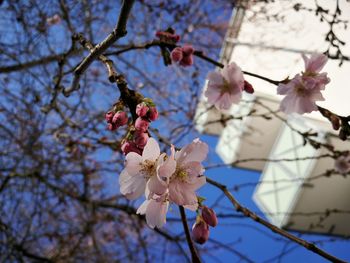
(146, 114)
(183, 55)
(167, 36)
(200, 229)
(116, 119)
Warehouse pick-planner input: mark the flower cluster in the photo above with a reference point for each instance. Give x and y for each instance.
(304, 89)
(225, 88)
(164, 178)
(146, 112)
(116, 119)
(200, 229)
(183, 55)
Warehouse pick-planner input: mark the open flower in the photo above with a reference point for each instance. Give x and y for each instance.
(157, 192)
(188, 175)
(138, 169)
(304, 90)
(225, 88)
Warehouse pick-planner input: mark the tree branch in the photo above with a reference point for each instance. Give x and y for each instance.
(118, 32)
(252, 215)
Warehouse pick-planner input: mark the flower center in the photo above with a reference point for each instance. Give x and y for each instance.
(300, 90)
(148, 169)
(309, 74)
(225, 88)
(180, 174)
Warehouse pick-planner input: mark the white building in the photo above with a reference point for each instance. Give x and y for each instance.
(291, 194)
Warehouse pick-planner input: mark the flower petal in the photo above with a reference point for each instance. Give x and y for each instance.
(133, 163)
(156, 186)
(181, 193)
(315, 63)
(166, 168)
(224, 102)
(156, 213)
(234, 76)
(196, 151)
(143, 208)
(131, 186)
(215, 78)
(151, 151)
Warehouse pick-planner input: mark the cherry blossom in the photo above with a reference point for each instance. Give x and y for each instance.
(225, 88)
(164, 179)
(304, 90)
(188, 175)
(156, 204)
(138, 169)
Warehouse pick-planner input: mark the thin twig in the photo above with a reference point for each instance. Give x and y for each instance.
(252, 215)
(118, 32)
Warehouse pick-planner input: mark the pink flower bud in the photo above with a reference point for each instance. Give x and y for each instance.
(130, 147)
(152, 114)
(141, 109)
(176, 54)
(159, 34)
(186, 61)
(112, 126)
(167, 36)
(140, 139)
(120, 118)
(109, 116)
(175, 38)
(209, 216)
(248, 87)
(200, 232)
(335, 122)
(187, 50)
(141, 124)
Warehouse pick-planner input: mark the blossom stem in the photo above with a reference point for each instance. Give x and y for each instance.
(194, 253)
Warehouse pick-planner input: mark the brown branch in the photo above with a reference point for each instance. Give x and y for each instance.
(310, 246)
(118, 32)
(194, 254)
(30, 64)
